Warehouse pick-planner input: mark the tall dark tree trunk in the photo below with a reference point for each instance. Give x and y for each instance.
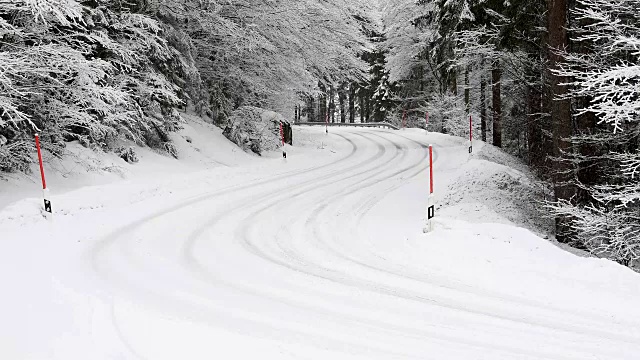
(421, 78)
(496, 82)
(535, 135)
(342, 99)
(560, 111)
(311, 108)
(367, 113)
(467, 90)
(588, 169)
(332, 104)
(322, 101)
(352, 103)
(295, 113)
(362, 109)
(322, 110)
(454, 82)
(483, 106)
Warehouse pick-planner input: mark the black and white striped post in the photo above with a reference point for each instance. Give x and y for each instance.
(45, 192)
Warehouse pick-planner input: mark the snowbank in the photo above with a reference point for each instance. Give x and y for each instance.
(199, 144)
(493, 186)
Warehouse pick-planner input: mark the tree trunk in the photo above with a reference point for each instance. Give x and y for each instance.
(560, 111)
(421, 78)
(321, 109)
(483, 106)
(466, 90)
(352, 103)
(496, 79)
(367, 113)
(362, 104)
(332, 104)
(535, 135)
(342, 98)
(311, 107)
(454, 82)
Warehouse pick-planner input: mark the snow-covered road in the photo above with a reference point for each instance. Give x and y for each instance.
(321, 256)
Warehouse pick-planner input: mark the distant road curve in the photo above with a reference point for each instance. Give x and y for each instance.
(371, 124)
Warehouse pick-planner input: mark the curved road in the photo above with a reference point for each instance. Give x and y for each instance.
(290, 266)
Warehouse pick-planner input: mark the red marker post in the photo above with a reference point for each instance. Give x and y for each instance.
(470, 135)
(431, 202)
(284, 153)
(45, 191)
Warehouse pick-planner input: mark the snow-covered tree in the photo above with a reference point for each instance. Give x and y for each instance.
(89, 72)
(101, 71)
(605, 83)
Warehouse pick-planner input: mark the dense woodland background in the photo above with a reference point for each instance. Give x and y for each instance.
(555, 82)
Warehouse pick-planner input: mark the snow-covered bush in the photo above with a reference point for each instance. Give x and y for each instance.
(447, 115)
(127, 154)
(254, 129)
(14, 157)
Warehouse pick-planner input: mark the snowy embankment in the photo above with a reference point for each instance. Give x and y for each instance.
(316, 257)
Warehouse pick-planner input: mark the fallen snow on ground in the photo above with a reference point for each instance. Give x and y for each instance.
(493, 186)
(83, 167)
(320, 256)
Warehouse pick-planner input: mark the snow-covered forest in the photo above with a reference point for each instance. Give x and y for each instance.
(555, 83)
(97, 71)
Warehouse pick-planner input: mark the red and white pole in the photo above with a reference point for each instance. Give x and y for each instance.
(45, 191)
(430, 202)
(470, 135)
(284, 153)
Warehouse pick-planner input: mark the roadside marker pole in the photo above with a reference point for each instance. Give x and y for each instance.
(431, 202)
(326, 123)
(284, 153)
(470, 135)
(404, 119)
(45, 191)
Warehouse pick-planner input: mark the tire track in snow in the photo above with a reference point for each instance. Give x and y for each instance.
(215, 312)
(321, 272)
(540, 326)
(110, 241)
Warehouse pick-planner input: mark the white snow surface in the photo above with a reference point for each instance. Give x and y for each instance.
(224, 255)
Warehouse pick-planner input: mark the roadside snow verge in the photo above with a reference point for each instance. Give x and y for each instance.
(494, 187)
